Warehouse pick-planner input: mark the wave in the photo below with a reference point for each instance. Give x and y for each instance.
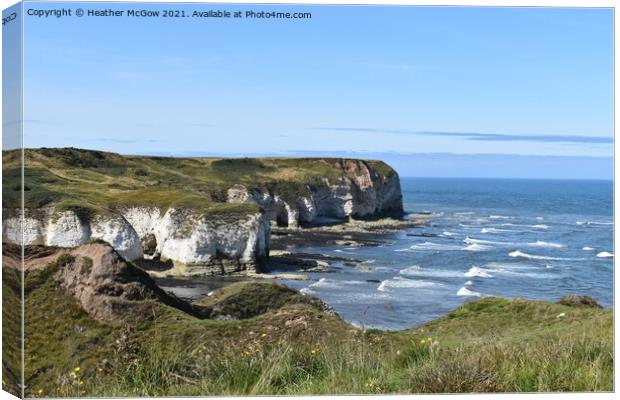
(466, 292)
(477, 247)
(468, 283)
(593, 223)
(430, 246)
(325, 283)
(465, 213)
(469, 226)
(508, 266)
(499, 217)
(605, 254)
(469, 240)
(540, 243)
(448, 234)
(416, 270)
(588, 248)
(494, 230)
(519, 253)
(518, 269)
(404, 283)
(479, 272)
(537, 226)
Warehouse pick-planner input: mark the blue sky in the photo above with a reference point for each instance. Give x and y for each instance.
(400, 83)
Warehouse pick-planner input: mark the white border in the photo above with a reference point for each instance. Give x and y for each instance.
(480, 3)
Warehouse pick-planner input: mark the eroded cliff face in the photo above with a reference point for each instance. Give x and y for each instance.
(211, 241)
(203, 244)
(361, 192)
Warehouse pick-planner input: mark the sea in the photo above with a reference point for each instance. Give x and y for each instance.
(532, 239)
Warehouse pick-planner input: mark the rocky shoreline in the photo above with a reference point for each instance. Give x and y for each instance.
(286, 262)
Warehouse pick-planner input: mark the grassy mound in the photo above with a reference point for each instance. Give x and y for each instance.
(246, 300)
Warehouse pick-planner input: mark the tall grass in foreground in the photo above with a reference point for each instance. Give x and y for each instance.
(557, 363)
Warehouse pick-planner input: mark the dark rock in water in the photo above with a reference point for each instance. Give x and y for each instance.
(579, 301)
(425, 234)
(373, 280)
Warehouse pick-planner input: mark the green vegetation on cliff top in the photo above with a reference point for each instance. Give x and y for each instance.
(96, 181)
(285, 344)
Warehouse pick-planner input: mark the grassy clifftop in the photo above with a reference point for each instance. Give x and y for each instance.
(98, 181)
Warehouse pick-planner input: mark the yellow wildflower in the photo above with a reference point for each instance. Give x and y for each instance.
(81, 382)
(40, 392)
(422, 341)
(100, 369)
(76, 369)
(263, 335)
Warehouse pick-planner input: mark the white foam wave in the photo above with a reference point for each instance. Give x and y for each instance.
(416, 270)
(509, 266)
(519, 253)
(448, 233)
(587, 248)
(593, 223)
(434, 246)
(605, 254)
(404, 283)
(469, 240)
(466, 292)
(325, 283)
(465, 213)
(469, 283)
(500, 217)
(494, 230)
(537, 226)
(478, 247)
(479, 272)
(540, 243)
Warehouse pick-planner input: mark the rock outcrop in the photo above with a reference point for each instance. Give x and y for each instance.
(108, 288)
(360, 192)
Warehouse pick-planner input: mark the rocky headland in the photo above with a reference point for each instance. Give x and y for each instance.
(198, 216)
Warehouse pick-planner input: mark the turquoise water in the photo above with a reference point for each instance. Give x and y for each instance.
(536, 239)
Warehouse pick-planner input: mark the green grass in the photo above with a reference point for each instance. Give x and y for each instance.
(11, 330)
(99, 182)
(283, 343)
